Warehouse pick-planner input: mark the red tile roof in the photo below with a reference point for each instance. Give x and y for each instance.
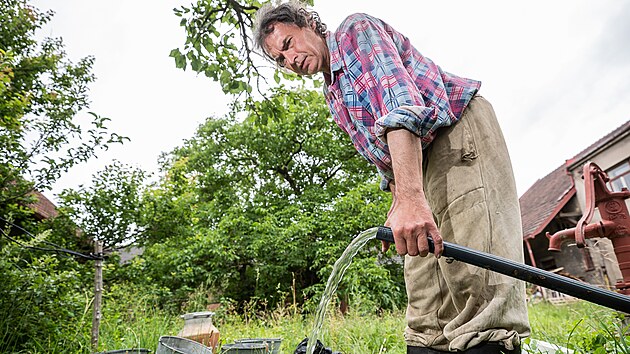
(43, 207)
(544, 200)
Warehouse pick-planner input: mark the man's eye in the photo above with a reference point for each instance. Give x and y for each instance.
(281, 62)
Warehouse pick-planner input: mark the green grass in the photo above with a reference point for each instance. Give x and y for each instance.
(353, 333)
(133, 322)
(581, 326)
(139, 326)
(578, 326)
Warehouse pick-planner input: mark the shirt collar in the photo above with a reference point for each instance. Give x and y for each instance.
(335, 58)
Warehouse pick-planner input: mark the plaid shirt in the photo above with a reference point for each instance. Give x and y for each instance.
(380, 81)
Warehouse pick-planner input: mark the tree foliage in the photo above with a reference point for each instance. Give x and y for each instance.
(42, 135)
(41, 92)
(110, 209)
(217, 41)
(264, 187)
(219, 45)
(262, 211)
(41, 297)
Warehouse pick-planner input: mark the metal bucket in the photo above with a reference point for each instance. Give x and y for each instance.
(244, 348)
(272, 344)
(198, 327)
(178, 345)
(127, 351)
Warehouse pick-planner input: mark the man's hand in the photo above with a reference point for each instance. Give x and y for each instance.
(410, 216)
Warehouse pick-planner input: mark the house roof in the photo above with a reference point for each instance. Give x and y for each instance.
(544, 200)
(43, 207)
(580, 158)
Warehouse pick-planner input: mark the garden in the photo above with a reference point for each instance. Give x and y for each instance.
(246, 217)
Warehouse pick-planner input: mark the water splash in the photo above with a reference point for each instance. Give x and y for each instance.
(341, 265)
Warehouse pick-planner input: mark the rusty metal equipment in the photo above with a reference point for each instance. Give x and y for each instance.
(614, 224)
(525, 272)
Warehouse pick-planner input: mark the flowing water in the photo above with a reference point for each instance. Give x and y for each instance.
(333, 282)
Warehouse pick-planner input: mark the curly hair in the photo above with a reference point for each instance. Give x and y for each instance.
(292, 12)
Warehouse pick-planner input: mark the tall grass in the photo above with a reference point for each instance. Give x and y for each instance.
(131, 320)
(581, 326)
(352, 333)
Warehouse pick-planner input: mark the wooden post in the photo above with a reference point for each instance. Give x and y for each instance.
(294, 297)
(98, 294)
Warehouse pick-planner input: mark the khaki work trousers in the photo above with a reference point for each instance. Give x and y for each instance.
(470, 187)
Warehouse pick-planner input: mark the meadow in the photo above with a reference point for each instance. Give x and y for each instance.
(133, 322)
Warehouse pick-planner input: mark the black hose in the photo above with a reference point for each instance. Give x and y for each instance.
(527, 273)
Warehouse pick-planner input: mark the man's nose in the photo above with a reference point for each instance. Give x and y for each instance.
(291, 57)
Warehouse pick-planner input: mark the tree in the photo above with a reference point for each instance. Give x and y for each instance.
(265, 187)
(42, 135)
(107, 212)
(110, 209)
(41, 92)
(217, 41)
(265, 206)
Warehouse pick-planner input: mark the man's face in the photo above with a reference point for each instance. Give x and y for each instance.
(298, 49)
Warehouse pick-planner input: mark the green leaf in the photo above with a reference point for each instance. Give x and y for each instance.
(195, 64)
(180, 62)
(208, 45)
(225, 77)
(276, 77)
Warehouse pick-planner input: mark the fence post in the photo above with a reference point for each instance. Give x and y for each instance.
(98, 293)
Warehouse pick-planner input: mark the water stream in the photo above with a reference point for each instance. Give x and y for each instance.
(333, 282)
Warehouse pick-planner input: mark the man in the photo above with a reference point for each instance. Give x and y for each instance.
(440, 151)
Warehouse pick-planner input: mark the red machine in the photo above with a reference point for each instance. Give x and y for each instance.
(615, 223)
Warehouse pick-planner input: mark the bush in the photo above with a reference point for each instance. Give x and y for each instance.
(39, 301)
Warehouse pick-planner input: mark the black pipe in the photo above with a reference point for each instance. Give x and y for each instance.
(527, 273)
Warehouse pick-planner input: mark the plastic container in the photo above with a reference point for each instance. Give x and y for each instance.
(127, 351)
(198, 326)
(178, 345)
(244, 348)
(272, 344)
(539, 346)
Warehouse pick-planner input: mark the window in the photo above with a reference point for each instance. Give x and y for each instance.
(619, 177)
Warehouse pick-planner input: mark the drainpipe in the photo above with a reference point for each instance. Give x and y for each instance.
(531, 253)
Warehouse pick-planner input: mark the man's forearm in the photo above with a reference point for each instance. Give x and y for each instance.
(406, 153)
(411, 218)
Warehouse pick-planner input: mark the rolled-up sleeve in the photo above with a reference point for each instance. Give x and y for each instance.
(406, 117)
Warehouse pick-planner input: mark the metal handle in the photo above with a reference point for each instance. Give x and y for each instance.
(527, 273)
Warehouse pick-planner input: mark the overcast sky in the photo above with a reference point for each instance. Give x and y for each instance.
(557, 72)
